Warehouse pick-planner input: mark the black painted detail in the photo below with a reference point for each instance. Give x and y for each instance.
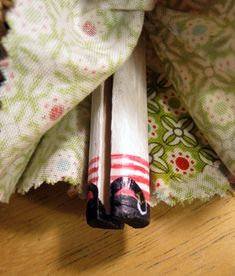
(96, 215)
(134, 211)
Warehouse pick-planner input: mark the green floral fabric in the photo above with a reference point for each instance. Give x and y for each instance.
(183, 166)
(199, 56)
(193, 112)
(62, 153)
(60, 51)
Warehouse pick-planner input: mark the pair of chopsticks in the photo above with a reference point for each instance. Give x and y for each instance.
(118, 176)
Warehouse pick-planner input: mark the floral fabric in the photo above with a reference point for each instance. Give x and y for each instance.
(60, 51)
(198, 53)
(195, 112)
(183, 166)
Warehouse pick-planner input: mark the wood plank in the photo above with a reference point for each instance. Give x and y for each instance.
(45, 233)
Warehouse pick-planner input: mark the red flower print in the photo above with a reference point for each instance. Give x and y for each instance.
(182, 163)
(56, 111)
(89, 28)
(158, 185)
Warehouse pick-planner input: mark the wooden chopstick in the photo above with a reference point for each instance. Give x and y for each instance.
(129, 147)
(98, 205)
(118, 189)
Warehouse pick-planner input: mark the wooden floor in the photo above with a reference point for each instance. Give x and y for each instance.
(45, 233)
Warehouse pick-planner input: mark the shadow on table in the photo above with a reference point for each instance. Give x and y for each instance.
(48, 208)
(82, 248)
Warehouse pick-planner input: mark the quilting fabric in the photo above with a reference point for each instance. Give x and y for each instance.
(60, 51)
(183, 166)
(195, 43)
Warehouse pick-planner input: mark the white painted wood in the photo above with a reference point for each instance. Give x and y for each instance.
(100, 142)
(126, 130)
(129, 120)
(129, 106)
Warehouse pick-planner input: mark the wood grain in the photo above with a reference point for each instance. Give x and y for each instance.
(45, 233)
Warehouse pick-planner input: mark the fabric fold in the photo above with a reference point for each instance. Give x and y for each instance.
(62, 152)
(56, 50)
(183, 166)
(197, 52)
(60, 51)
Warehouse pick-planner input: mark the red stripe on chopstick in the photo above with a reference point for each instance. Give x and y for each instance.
(93, 170)
(131, 157)
(136, 178)
(93, 160)
(93, 180)
(130, 166)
